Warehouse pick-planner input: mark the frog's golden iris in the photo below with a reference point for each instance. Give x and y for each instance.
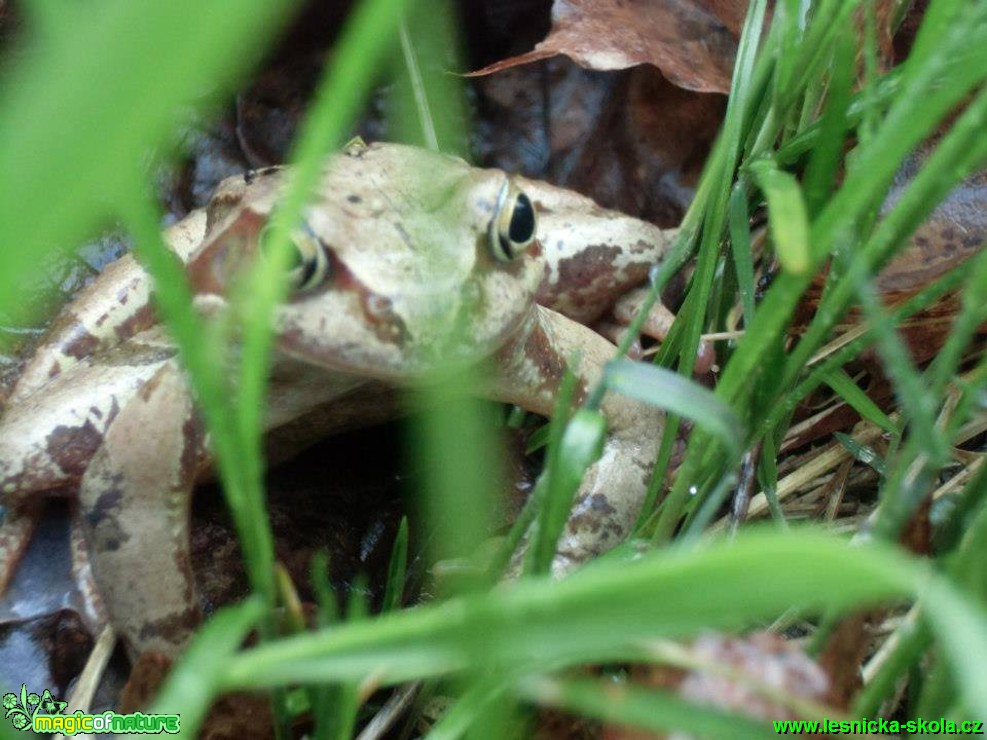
(514, 224)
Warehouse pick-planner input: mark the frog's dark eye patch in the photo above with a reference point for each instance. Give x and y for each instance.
(513, 227)
(308, 262)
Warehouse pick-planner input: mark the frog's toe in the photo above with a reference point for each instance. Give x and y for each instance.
(616, 333)
(15, 535)
(658, 323)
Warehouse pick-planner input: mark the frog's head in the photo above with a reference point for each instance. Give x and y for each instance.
(405, 259)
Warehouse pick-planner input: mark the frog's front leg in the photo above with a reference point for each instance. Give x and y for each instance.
(111, 309)
(613, 489)
(134, 498)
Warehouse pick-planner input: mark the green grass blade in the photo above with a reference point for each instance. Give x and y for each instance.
(600, 613)
(191, 686)
(850, 392)
(76, 118)
(672, 392)
(787, 217)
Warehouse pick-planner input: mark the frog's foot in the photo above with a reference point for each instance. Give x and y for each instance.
(614, 488)
(135, 500)
(610, 496)
(657, 324)
(18, 526)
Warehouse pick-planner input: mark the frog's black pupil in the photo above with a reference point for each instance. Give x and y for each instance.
(308, 270)
(522, 220)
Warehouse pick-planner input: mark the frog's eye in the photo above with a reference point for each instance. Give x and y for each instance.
(513, 227)
(308, 264)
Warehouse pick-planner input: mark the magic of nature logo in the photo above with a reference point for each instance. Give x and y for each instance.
(43, 713)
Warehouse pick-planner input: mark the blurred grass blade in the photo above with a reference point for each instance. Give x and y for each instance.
(462, 717)
(973, 313)
(191, 686)
(76, 118)
(962, 631)
(357, 56)
(918, 406)
(740, 244)
(397, 569)
(535, 508)
(428, 105)
(579, 447)
(626, 705)
(426, 120)
(826, 158)
(672, 392)
(600, 613)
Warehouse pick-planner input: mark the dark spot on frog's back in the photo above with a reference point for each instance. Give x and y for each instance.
(142, 319)
(81, 343)
(583, 268)
(597, 515)
(73, 447)
(354, 198)
(640, 247)
(102, 515)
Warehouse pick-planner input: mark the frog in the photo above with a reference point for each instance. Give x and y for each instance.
(405, 260)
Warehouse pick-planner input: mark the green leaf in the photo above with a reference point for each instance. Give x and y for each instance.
(630, 706)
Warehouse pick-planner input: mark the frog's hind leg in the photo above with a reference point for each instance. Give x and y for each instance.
(608, 501)
(135, 499)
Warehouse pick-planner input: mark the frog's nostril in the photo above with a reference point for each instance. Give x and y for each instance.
(379, 306)
(385, 322)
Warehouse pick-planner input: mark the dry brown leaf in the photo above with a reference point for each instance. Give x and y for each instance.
(692, 47)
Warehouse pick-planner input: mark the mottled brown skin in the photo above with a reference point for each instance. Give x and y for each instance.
(413, 285)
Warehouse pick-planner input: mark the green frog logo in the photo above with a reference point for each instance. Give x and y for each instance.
(21, 710)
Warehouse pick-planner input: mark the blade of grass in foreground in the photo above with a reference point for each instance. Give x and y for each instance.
(76, 117)
(358, 53)
(599, 613)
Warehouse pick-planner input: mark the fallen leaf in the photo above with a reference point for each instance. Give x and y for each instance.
(692, 47)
